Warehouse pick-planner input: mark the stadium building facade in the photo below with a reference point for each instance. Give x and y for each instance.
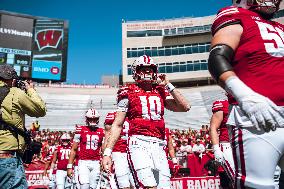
(179, 46)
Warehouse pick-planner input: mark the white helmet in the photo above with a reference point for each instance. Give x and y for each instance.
(144, 61)
(264, 7)
(92, 117)
(65, 139)
(65, 136)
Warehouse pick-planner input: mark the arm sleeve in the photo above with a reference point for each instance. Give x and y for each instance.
(122, 105)
(77, 137)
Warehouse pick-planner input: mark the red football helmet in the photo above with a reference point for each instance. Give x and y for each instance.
(141, 71)
(65, 139)
(92, 117)
(265, 7)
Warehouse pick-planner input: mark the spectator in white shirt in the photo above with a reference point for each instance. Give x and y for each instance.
(198, 148)
(185, 147)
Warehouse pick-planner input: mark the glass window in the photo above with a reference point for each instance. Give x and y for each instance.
(161, 51)
(169, 68)
(188, 49)
(182, 67)
(168, 51)
(166, 31)
(207, 28)
(128, 54)
(196, 65)
(134, 53)
(194, 48)
(154, 33)
(187, 30)
(154, 51)
(148, 51)
(181, 49)
(140, 52)
(129, 70)
(207, 47)
(204, 65)
(189, 66)
(173, 31)
(176, 67)
(174, 50)
(162, 68)
(195, 29)
(136, 33)
(180, 30)
(201, 48)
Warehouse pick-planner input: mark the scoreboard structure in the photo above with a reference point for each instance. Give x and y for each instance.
(35, 46)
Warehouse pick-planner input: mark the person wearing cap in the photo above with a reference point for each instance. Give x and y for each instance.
(198, 148)
(15, 104)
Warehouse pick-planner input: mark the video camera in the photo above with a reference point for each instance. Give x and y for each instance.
(20, 84)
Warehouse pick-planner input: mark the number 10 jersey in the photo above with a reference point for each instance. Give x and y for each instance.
(145, 110)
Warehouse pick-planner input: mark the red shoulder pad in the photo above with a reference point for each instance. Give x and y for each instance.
(225, 16)
(219, 105)
(110, 118)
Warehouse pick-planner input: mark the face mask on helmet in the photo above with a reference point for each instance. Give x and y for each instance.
(144, 69)
(65, 139)
(267, 8)
(92, 117)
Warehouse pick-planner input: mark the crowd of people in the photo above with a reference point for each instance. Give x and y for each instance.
(183, 141)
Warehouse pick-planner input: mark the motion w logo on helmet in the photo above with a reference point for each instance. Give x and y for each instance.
(48, 38)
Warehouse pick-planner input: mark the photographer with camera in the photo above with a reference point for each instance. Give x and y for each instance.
(14, 138)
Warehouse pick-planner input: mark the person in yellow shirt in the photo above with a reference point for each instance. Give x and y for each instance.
(15, 104)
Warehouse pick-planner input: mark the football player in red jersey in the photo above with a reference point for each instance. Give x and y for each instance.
(52, 173)
(61, 156)
(218, 132)
(247, 60)
(89, 139)
(170, 152)
(51, 148)
(119, 156)
(143, 104)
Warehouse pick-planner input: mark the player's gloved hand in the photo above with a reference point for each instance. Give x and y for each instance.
(262, 112)
(218, 154)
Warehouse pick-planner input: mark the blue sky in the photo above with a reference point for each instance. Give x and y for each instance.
(95, 27)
